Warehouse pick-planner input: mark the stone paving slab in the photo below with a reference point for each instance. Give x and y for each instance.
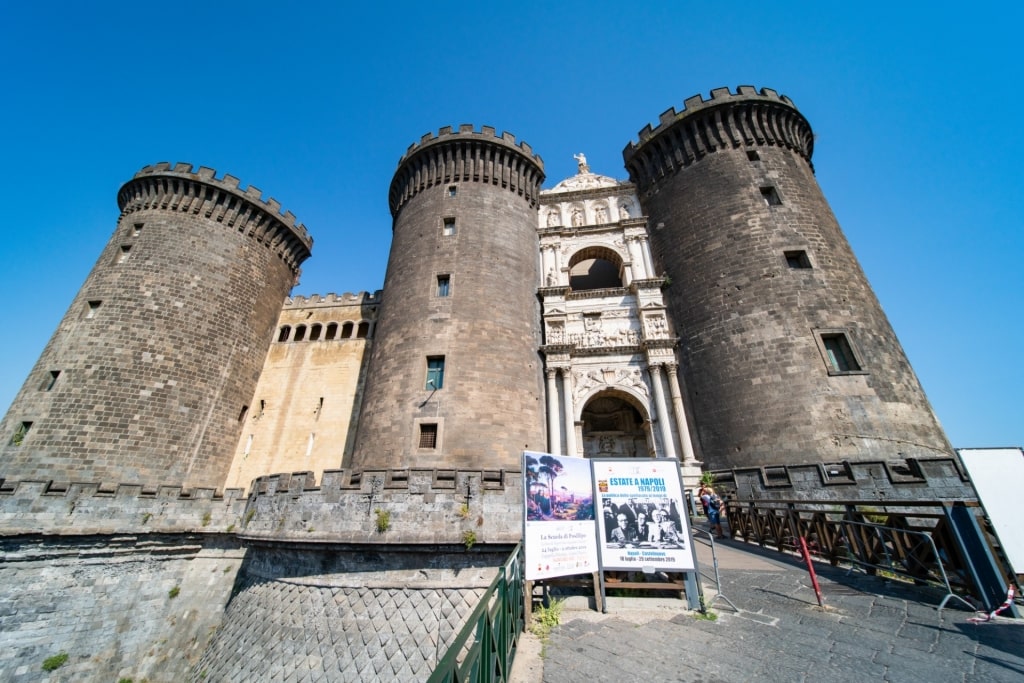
(869, 630)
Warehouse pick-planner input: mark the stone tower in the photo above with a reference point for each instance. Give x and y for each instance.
(786, 353)
(149, 375)
(454, 377)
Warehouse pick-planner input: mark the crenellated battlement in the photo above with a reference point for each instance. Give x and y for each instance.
(423, 506)
(465, 155)
(746, 118)
(911, 479)
(332, 299)
(201, 192)
(77, 508)
(466, 131)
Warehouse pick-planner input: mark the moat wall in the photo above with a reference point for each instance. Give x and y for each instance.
(298, 575)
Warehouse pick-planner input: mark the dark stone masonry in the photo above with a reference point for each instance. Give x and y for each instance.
(123, 545)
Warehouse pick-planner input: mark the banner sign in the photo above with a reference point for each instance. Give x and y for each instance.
(559, 534)
(642, 519)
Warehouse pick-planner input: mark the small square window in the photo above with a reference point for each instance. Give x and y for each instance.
(428, 436)
(771, 196)
(435, 373)
(443, 285)
(122, 255)
(448, 228)
(92, 308)
(752, 155)
(839, 353)
(20, 433)
(452, 190)
(797, 259)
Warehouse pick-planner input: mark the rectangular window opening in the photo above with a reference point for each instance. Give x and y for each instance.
(93, 306)
(122, 255)
(448, 227)
(136, 229)
(428, 435)
(242, 413)
(752, 155)
(20, 433)
(51, 380)
(840, 354)
(771, 196)
(797, 259)
(435, 373)
(443, 284)
(452, 190)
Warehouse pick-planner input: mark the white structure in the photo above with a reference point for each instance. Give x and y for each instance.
(613, 386)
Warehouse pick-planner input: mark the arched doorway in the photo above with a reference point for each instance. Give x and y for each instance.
(614, 426)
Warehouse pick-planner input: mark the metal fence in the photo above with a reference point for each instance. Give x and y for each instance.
(917, 540)
(483, 650)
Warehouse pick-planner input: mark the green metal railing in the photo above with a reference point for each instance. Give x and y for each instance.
(483, 650)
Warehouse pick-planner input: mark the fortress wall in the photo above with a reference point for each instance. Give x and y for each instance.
(307, 400)
(149, 375)
(911, 480)
(107, 602)
(763, 280)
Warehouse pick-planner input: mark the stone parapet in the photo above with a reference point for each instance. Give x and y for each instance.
(747, 118)
(467, 156)
(421, 506)
(178, 188)
(82, 508)
(914, 480)
(332, 299)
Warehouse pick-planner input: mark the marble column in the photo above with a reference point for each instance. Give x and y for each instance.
(570, 420)
(680, 412)
(663, 417)
(554, 434)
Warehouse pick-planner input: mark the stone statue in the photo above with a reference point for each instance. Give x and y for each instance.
(577, 217)
(581, 162)
(601, 214)
(553, 219)
(624, 212)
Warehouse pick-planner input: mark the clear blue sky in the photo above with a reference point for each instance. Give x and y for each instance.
(916, 111)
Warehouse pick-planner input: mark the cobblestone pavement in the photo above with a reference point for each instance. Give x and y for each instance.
(869, 630)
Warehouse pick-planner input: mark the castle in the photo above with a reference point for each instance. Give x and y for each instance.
(708, 310)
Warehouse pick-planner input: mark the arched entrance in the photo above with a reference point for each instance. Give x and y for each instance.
(614, 426)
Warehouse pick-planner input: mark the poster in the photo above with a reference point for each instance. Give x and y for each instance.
(559, 535)
(642, 521)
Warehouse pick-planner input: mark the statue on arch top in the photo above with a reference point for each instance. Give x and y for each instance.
(581, 162)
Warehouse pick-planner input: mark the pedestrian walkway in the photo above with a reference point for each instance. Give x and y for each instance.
(869, 630)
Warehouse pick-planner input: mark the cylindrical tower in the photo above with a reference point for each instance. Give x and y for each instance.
(148, 376)
(787, 354)
(454, 379)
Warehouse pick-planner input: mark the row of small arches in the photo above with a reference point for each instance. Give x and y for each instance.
(328, 332)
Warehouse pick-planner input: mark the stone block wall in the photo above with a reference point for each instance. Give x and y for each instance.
(484, 326)
(422, 506)
(150, 373)
(761, 277)
(930, 480)
(138, 606)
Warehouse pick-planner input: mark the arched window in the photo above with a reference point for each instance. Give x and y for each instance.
(282, 336)
(595, 268)
(314, 332)
(332, 331)
(346, 331)
(363, 331)
(300, 333)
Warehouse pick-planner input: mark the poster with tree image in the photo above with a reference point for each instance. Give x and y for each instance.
(560, 533)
